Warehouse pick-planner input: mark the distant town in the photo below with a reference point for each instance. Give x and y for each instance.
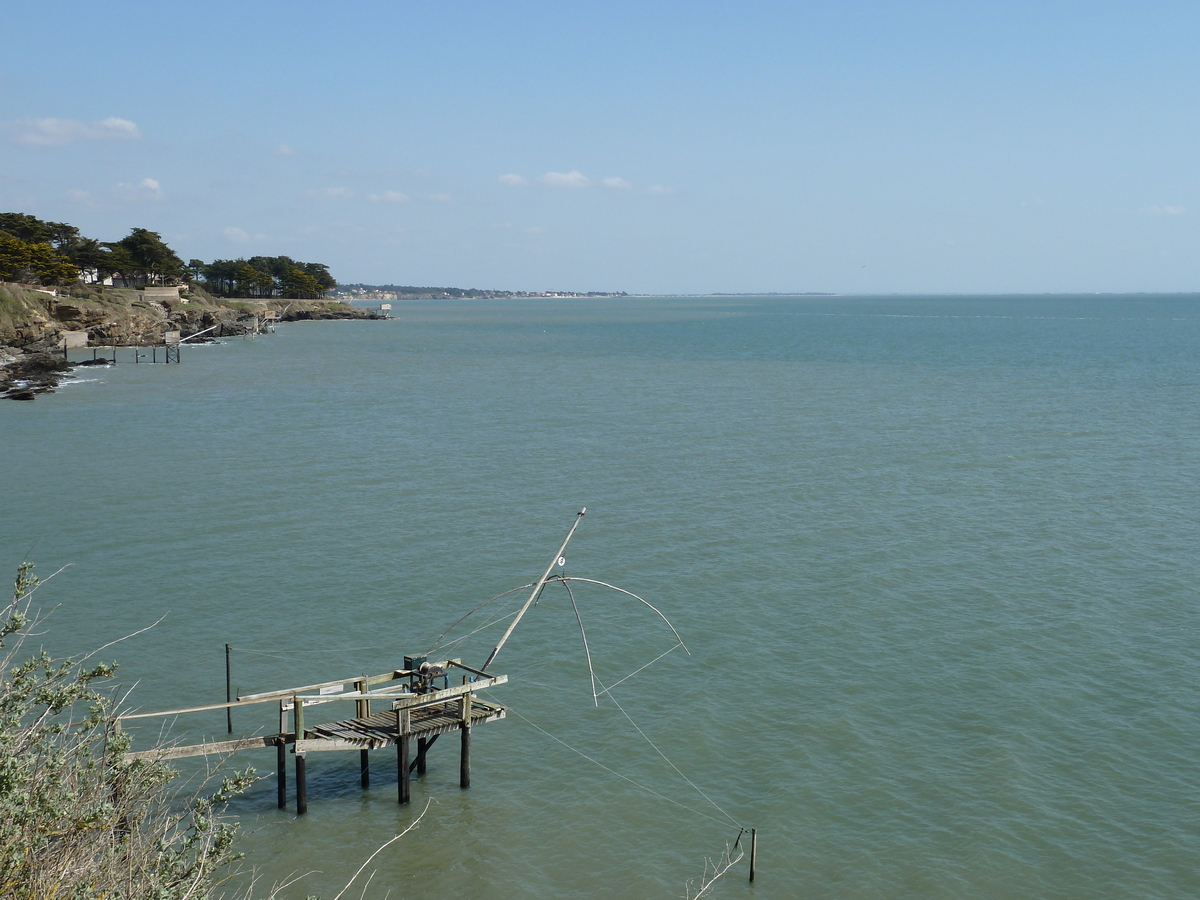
(352, 292)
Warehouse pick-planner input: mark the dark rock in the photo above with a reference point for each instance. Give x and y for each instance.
(42, 364)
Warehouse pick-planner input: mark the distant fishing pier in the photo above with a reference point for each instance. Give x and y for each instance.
(420, 704)
(392, 709)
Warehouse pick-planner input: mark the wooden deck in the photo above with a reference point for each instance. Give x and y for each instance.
(380, 730)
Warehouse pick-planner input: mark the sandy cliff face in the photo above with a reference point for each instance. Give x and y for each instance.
(35, 320)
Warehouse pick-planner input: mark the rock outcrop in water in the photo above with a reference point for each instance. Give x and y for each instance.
(33, 321)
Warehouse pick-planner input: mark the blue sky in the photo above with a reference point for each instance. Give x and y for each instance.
(648, 147)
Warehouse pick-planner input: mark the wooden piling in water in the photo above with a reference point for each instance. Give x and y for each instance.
(281, 771)
(228, 692)
(464, 754)
(301, 786)
(362, 709)
(753, 851)
(301, 774)
(402, 727)
(422, 749)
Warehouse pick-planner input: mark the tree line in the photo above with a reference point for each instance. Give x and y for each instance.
(55, 253)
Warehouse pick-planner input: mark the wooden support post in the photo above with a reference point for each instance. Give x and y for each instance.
(281, 771)
(301, 781)
(301, 786)
(228, 692)
(402, 727)
(422, 747)
(464, 756)
(753, 851)
(362, 709)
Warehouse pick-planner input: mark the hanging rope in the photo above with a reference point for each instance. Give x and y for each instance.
(668, 761)
(636, 784)
(586, 650)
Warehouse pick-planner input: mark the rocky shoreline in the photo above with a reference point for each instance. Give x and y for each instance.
(33, 322)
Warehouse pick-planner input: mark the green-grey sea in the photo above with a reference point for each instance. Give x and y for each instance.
(936, 560)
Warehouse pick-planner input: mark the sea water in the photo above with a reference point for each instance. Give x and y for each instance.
(935, 560)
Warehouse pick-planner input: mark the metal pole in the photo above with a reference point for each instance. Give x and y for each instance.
(536, 589)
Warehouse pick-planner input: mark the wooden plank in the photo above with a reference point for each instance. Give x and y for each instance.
(321, 745)
(288, 692)
(206, 749)
(186, 709)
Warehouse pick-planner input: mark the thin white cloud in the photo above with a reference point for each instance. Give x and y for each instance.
(617, 184)
(146, 189)
(513, 178)
(332, 193)
(285, 150)
(660, 189)
(572, 179)
(1166, 210)
(441, 198)
(241, 235)
(388, 197)
(79, 196)
(55, 132)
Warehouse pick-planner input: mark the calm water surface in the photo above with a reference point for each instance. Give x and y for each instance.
(935, 560)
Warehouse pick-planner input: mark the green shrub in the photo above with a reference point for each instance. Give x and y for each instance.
(77, 819)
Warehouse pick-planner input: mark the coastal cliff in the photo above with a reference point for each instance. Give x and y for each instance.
(33, 321)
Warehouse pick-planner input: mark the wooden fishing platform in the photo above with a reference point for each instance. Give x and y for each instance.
(420, 706)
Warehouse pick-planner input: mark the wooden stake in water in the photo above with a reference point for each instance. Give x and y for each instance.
(281, 771)
(402, 767)
(464, 753)
(301, 769)
(753, 851)
(228, 692)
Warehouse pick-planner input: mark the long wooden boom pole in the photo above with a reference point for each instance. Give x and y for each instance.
(536, 589)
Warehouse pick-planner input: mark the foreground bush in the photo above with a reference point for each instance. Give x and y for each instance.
(76, 819)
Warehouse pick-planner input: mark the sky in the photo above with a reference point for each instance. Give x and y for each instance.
(848, 147)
